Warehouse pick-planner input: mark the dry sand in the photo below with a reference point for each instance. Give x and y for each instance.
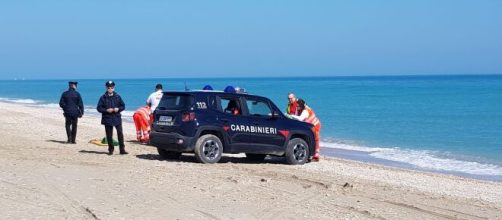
(41, 177)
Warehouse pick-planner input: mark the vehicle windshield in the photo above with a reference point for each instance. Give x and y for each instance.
(175, 101)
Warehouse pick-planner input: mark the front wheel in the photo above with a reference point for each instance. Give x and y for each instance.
(297, 151)
(208, 149)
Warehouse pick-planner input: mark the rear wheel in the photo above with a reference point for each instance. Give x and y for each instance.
(297, 151)
(208, 149)
(170, 155)
(255, 157)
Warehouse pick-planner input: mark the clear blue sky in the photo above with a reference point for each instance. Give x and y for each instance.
(123, 39)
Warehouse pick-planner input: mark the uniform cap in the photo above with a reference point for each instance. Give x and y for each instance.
(72, 82)
(110, 83)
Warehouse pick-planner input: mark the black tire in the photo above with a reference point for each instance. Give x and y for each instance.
(208, 149)
(297, 152)
(169, 155)
(255, 157)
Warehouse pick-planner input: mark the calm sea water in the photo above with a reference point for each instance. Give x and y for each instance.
(449, 124)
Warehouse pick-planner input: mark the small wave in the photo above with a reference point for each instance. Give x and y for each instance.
(422, 159)
(21, 101)
(352, 147)
(49, 105)
(429, 160)
(87, 108)
(92, 110)
(128, 113)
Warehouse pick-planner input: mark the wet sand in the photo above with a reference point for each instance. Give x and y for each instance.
(42, 177)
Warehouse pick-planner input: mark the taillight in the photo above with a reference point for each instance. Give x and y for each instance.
(188, 116)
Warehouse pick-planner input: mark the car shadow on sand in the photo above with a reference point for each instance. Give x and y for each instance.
(190, 158)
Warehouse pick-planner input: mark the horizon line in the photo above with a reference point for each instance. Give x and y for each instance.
(258, 77)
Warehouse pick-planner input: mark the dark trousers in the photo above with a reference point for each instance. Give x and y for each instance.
(109, 136)
(71, 128)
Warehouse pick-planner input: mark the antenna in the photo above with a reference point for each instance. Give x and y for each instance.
(186, 88)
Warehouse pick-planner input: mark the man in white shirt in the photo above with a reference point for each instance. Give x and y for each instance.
(154, 98)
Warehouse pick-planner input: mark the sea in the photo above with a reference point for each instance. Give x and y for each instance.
(448, 124)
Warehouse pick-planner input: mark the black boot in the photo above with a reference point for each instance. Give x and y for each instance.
(110, 150)
(122, 150)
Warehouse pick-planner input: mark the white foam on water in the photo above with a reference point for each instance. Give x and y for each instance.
(428, 160)
(49, 105)
(127, 113)
(90, 110)
(353, 147)
(87, 108)
(36, 103)
(423, 159)
(21, 101)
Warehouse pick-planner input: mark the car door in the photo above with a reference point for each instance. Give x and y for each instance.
(229, 120)
(264, 136)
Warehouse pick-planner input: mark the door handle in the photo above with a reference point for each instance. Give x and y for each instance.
(224, 120)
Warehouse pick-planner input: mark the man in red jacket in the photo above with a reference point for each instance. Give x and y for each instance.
(292, 108)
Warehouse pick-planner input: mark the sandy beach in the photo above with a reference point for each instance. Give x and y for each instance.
(42, 177)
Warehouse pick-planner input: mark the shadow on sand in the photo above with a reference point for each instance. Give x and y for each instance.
(93, 152)
(190, 158)
(56, 141)
(135, 142)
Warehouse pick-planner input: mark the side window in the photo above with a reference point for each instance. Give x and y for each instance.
(230, 106)
(212, 102)
(258, 108)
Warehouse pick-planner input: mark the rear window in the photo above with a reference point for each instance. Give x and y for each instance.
(175, 101)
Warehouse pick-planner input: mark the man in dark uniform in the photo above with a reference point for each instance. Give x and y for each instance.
(73, 108)
(110, 105)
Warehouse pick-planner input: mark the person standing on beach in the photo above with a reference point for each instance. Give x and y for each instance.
(110, 105)
(292, 108)
(306, 114)
(73, 108)
(154, 99)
